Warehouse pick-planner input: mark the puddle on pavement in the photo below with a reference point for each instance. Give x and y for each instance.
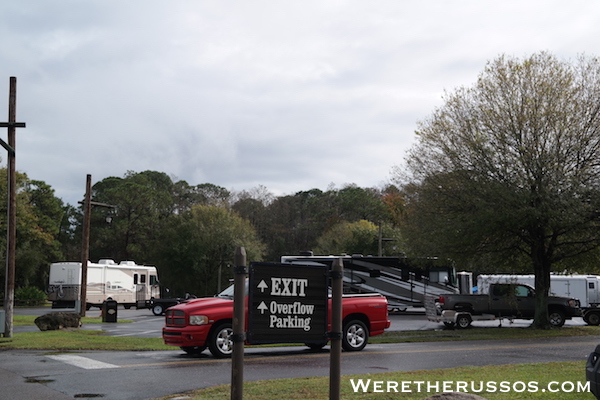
(34, 379)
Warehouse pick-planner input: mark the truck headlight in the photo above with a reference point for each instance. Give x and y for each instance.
(198, 320)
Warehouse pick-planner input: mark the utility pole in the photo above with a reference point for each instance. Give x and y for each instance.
(11, 235)
(85, 243)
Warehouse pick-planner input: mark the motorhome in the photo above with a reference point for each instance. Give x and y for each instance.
(404, 282)
(129, 284)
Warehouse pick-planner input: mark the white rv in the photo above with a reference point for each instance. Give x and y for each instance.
(127, 283)
(585, 288)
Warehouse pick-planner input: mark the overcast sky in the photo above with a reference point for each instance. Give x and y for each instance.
(290, 95)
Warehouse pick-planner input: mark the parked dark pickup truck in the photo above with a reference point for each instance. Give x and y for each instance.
(509, 301)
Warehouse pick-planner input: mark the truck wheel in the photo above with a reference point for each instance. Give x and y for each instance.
(157, 309)
(355, 336)
(219, 342)
(463, 321)
(193, 350)
(593, 318)
(557, 318)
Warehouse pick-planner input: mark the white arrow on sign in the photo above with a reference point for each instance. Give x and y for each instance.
(262, 307)
(262, 286)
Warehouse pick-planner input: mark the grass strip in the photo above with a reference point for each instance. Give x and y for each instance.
(76, 339)
(24, 320)
(482, 334)
(79, 339)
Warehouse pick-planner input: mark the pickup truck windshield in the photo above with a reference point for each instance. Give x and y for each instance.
(228, 293)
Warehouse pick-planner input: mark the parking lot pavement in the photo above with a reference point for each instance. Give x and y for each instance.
(145, 324)
(417, 321)
(13, 387)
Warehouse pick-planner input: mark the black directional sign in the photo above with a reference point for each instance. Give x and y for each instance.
(287, 303)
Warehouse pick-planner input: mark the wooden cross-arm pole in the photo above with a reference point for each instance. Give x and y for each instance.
(11, 234)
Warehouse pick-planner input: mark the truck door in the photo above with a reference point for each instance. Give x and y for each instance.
(500, 299)
(513, 300)
(524, 304)
(154, 287)
(140, 288)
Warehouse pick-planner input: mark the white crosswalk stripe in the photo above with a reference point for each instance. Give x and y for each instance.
(82, 362)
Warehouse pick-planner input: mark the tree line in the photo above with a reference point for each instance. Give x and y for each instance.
(190, 232)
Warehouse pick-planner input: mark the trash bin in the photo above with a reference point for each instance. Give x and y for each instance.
(109, 310)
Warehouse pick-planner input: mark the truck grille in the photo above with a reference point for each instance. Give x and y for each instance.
(175, 318)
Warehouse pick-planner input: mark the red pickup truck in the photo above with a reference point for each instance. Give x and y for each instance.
(207, 322)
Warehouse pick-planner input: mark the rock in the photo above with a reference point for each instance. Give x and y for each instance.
(58, 320)
(455, 396)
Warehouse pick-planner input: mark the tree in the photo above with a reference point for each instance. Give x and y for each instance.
(252, 205)
(39, 215)
(349, 238)
(69, 235)
(186, 196)
(393, 202)
(196, 248)
(353, 203)
(38, 243)
(142, 203)
(360, 237)
(294, 223)
(511, 166)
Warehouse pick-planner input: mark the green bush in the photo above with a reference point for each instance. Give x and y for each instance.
(29, 296)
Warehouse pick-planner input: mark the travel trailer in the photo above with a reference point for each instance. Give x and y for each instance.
(129, 284)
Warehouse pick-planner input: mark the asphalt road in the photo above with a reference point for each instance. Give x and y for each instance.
(149, 375)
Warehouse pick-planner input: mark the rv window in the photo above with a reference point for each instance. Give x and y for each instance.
(590, 285)
(143, 278)
(153, 280)
(135, 279)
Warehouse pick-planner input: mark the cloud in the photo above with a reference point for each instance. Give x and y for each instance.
(289, 95)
